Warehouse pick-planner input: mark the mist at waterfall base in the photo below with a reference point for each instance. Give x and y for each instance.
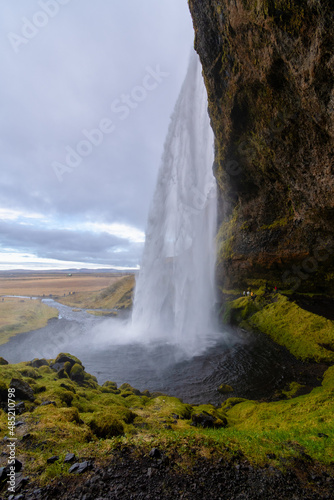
(175, 289)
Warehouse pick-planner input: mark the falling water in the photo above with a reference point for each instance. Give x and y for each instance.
(175, 291)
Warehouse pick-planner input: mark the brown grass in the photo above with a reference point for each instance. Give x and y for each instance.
(116, 296)
(97, 291)
(54, 284)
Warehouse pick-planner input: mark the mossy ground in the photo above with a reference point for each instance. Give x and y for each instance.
(92, 420)
(22, 315)
(307, 336)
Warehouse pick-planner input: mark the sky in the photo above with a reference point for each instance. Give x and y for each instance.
(87, 91)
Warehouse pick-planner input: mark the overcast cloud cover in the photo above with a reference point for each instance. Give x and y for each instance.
(87, 90)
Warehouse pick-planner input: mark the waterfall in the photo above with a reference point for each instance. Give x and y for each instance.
(175, 291)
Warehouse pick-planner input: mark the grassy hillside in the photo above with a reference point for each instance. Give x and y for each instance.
(307, 336)
(116, 296)
(70, 412)
(23, 315)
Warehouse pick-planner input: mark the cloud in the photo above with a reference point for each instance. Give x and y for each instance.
(64, 81)
(74, 245)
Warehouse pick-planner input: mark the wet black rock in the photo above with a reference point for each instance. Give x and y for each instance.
(79, 468)
(53, 459)
(155, 453)
(22, 389)
(37, 363)
(20, 408)
(70, 457)
(207, 421)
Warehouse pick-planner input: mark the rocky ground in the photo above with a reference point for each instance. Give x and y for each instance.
(128, 475)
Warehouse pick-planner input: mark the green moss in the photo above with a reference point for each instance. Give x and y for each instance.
(283, 221)
(240, 309)
(65, 397)
(225, 237)
(106, 425)
(77, 373)
(230, 402)
(67, 355)
(67, 367)
(218, 413)
(293, 389)
(303, 333)
(225, 388)
(166, 406)
(127, 389)
(43, 370)
(97, 422)
(298, 420)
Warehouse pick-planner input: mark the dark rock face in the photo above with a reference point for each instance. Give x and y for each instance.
(269, 71)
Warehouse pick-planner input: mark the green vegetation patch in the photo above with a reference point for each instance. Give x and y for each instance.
(290, 427)
(304, 334)
(82, 418)
(20, 316)
(116, 296)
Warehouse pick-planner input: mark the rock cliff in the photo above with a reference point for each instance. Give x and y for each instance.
(269, 71)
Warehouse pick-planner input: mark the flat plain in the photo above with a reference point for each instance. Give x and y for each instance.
(19, 315)
(36, 284)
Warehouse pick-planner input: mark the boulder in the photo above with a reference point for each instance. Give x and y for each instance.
(65, 358)
(207, 421)
(37, 363)
(3, 361)
(77, 373)
(22, 389)
(225, 389)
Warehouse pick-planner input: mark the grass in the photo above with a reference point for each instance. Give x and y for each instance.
(22, 315)
(307, 336)
(117, 296)
(102, 313)
(92, 420)
(55, 284)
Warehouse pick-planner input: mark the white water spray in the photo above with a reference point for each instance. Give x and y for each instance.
(175, 291)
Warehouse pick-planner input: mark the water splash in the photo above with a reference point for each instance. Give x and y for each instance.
(175, 290)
